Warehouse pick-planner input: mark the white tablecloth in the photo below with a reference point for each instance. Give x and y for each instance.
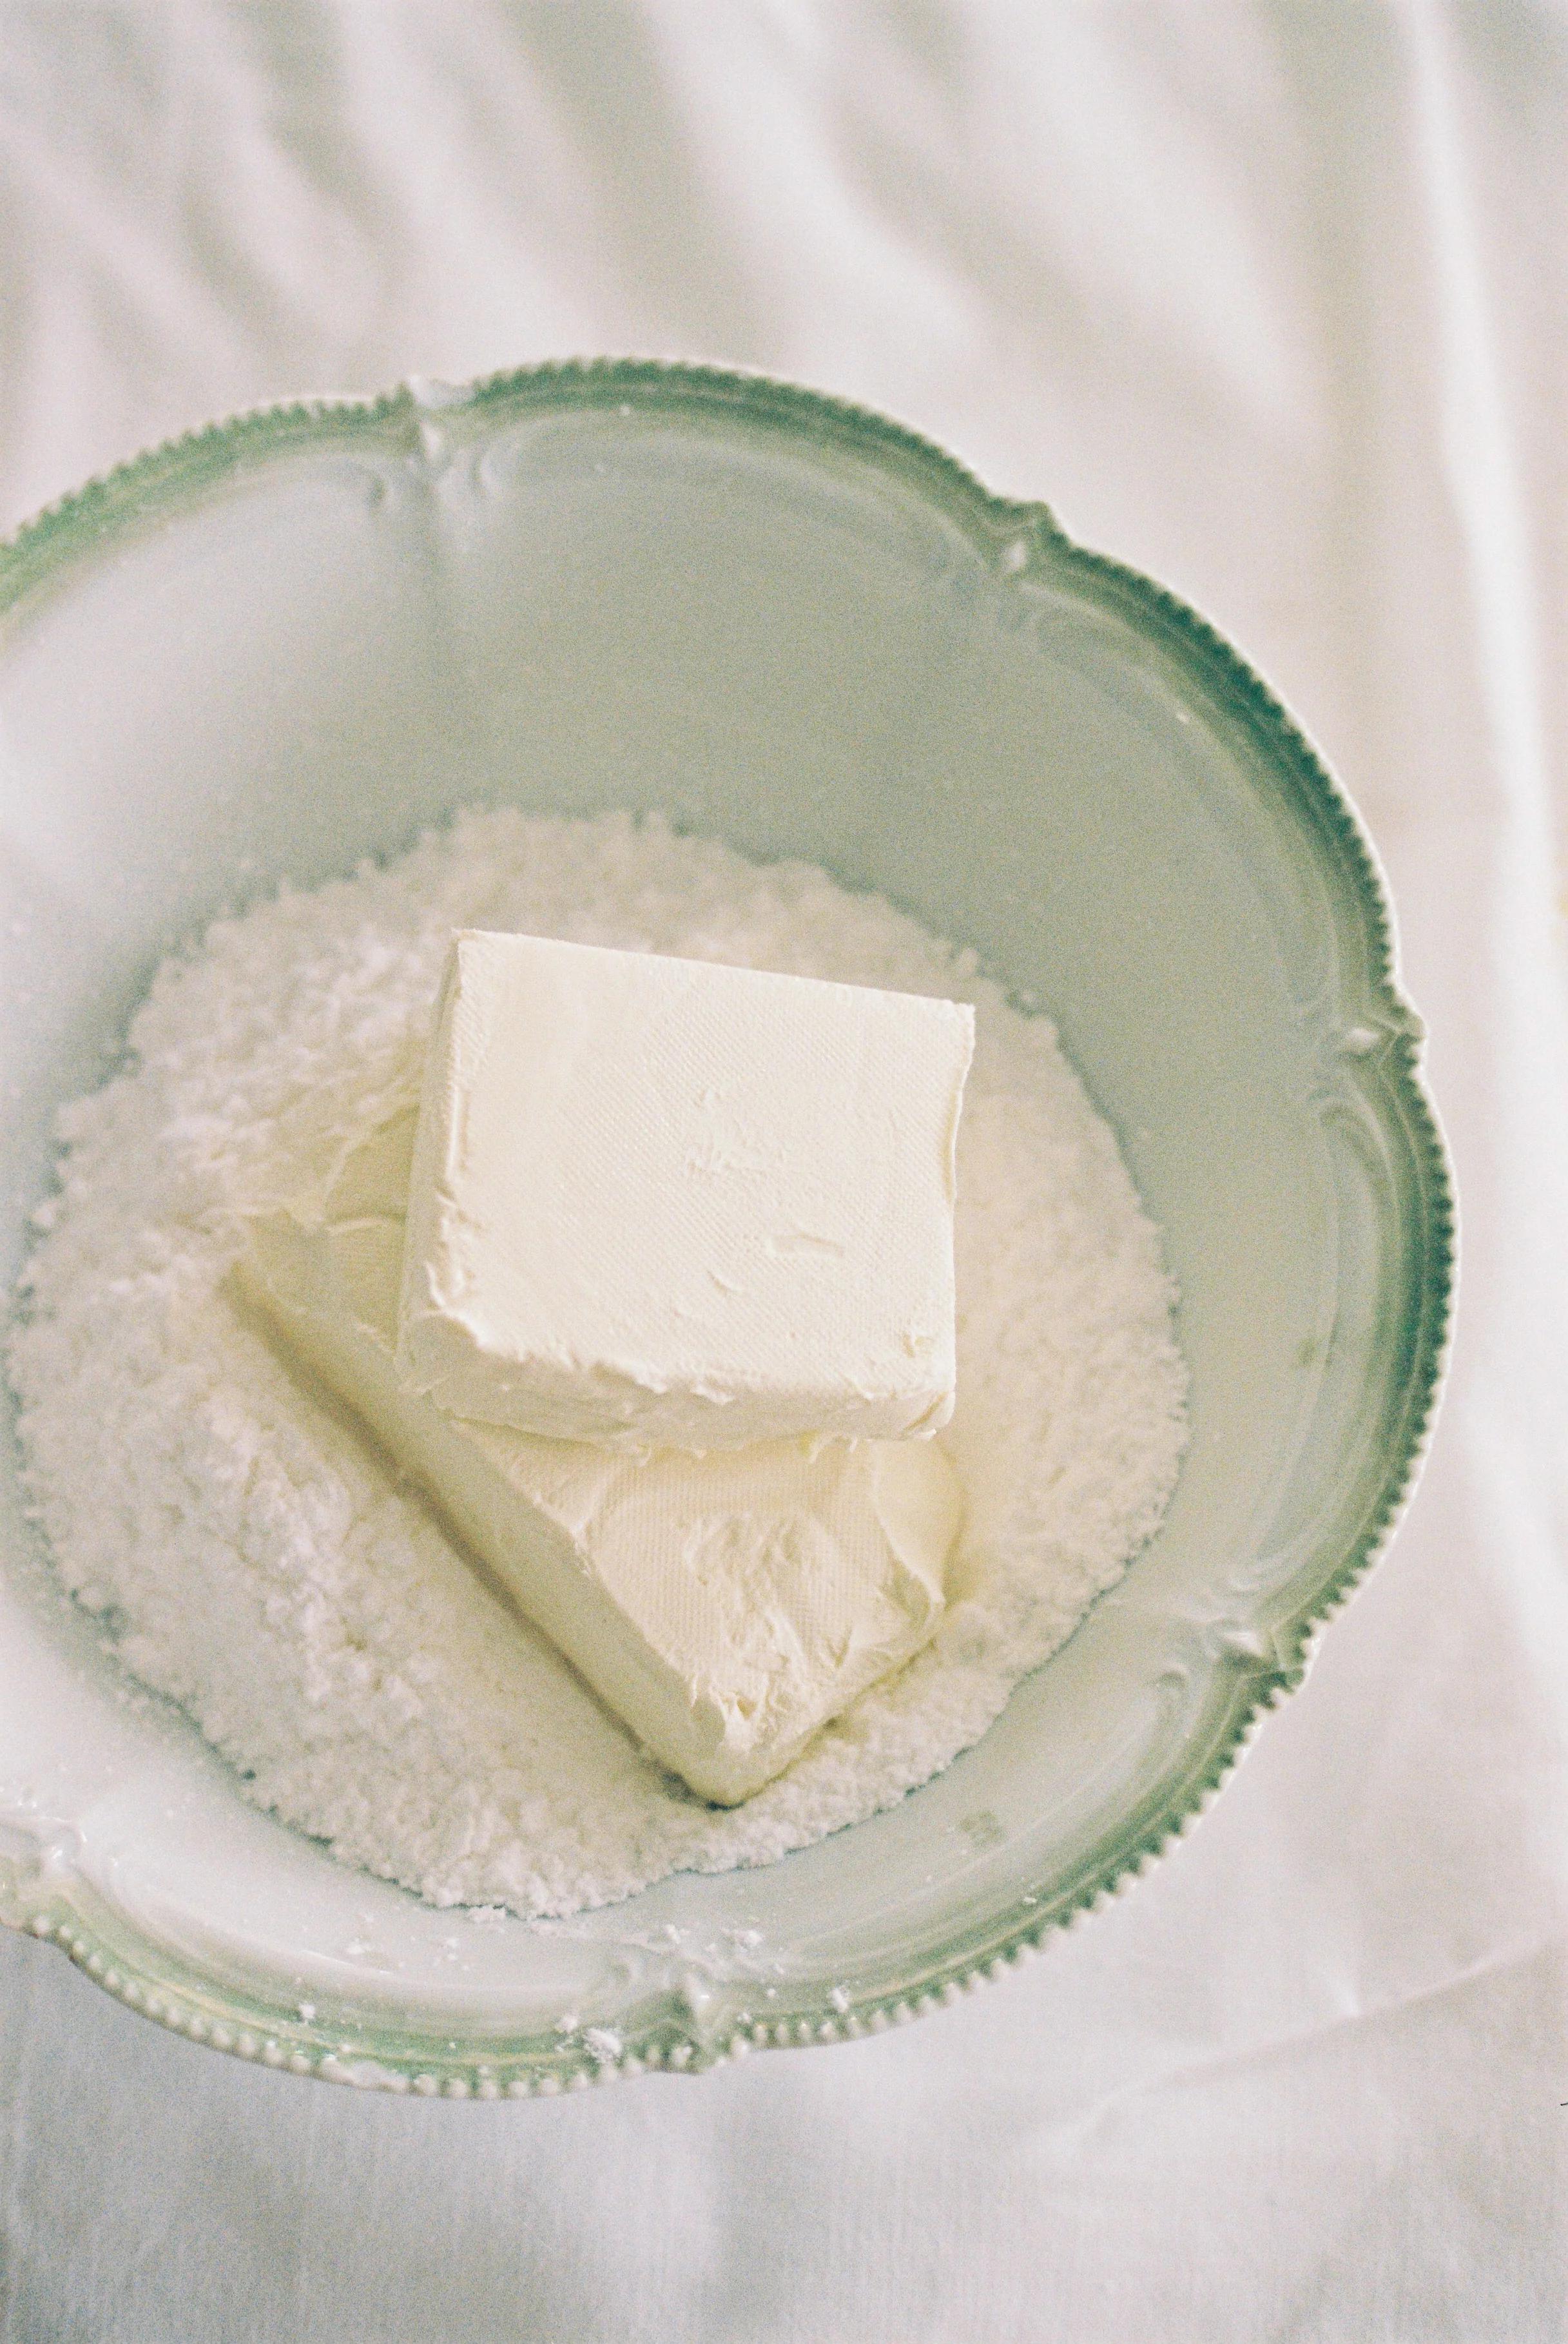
(1272, 300)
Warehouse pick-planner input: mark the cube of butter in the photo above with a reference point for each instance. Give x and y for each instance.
(724, 1608)
(666, 1203)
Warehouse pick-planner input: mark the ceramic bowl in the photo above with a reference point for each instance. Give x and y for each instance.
(300, 638)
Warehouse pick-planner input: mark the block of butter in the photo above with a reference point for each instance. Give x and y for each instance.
(724, 1607)
(668, 1203)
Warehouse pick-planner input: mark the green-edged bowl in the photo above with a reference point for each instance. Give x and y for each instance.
(297, 639)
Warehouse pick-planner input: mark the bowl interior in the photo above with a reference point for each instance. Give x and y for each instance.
(281, 648)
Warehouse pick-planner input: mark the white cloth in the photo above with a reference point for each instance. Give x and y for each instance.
(1272, 300)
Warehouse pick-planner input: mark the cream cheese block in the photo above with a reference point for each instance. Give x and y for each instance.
(667, 1203)
(725, 1606)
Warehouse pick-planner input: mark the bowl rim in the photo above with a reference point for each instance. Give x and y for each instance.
(1017, 537)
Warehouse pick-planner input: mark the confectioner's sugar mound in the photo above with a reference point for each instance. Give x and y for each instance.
(253, 1557)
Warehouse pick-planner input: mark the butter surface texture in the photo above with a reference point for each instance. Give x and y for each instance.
(667, 1203)
(725, 1606)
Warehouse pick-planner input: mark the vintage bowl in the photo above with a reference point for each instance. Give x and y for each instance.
(297, 639)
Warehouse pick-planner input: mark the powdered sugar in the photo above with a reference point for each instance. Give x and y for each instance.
(255, 1559)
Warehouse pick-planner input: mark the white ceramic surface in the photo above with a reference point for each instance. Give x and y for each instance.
(298, 639)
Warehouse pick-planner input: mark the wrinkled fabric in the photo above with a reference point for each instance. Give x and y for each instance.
(1272, 300)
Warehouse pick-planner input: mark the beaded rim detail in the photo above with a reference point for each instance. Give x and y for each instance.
(1017, 539)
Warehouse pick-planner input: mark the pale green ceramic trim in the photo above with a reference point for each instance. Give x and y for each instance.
(1018, 540)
